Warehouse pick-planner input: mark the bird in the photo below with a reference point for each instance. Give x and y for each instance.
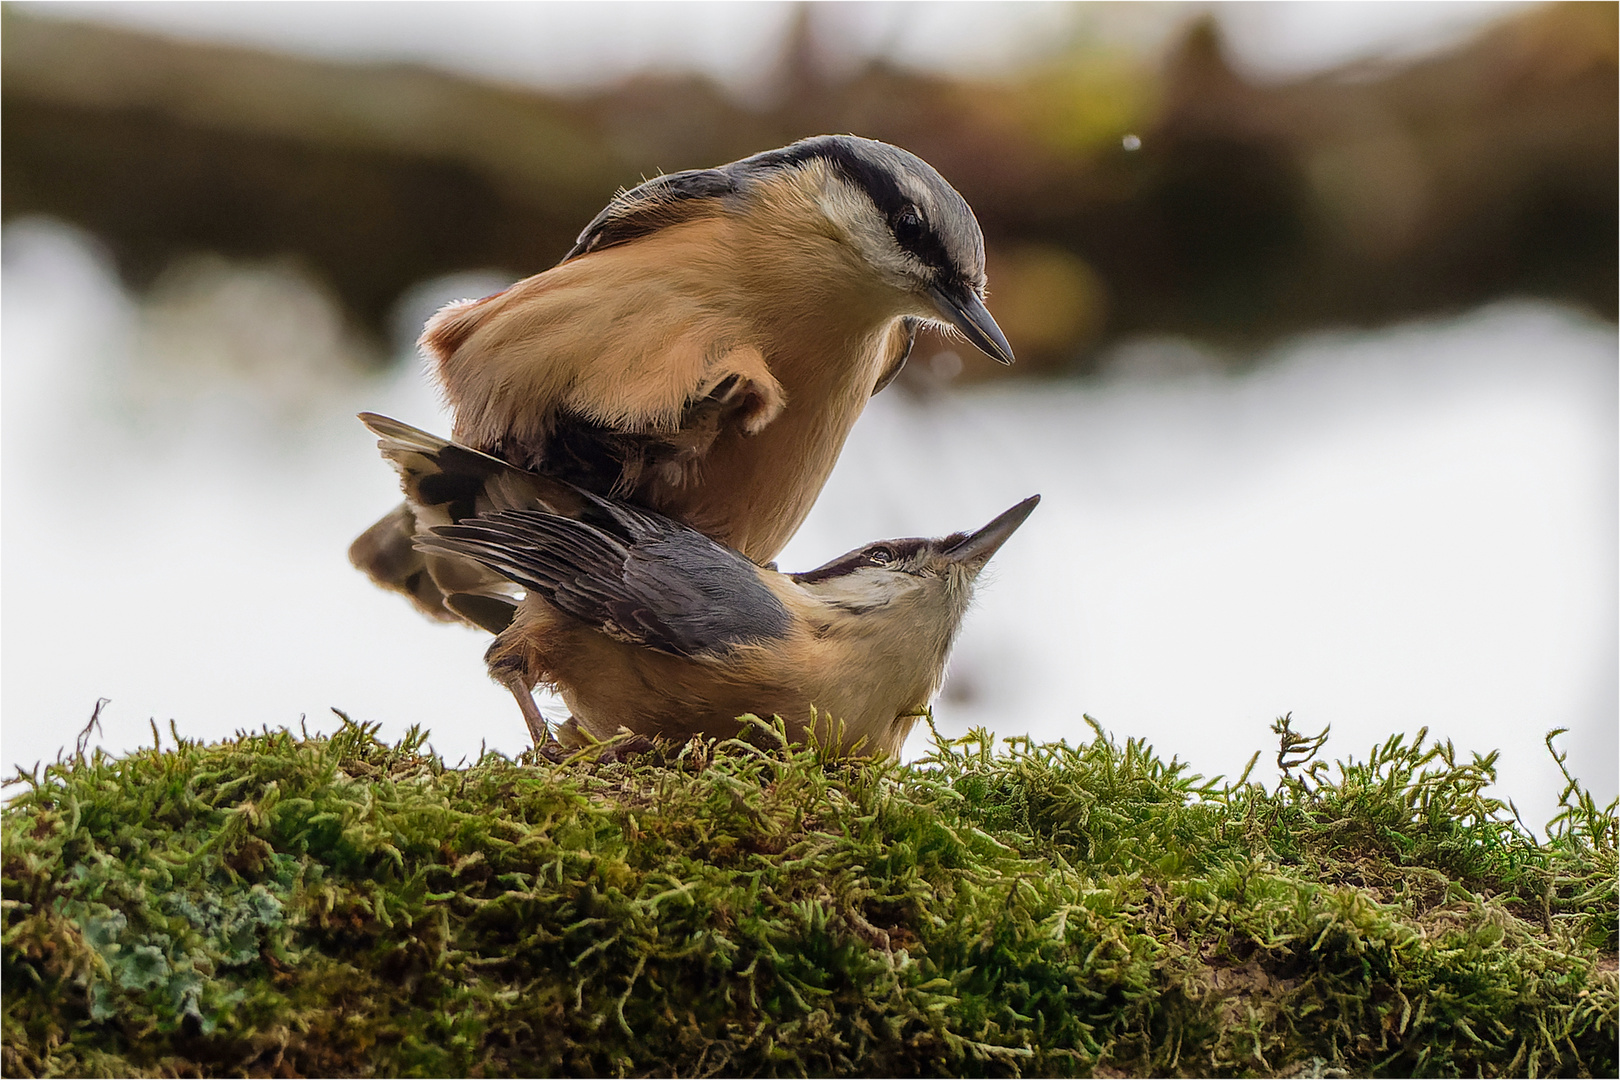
(705, 347)
(643, 623)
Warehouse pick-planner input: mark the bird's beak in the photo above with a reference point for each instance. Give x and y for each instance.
(976, 550)
(965, 311)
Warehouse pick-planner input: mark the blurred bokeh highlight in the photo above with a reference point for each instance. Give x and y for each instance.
(1316, 356)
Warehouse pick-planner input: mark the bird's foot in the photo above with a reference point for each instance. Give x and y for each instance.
(539, 730)
(624, 748)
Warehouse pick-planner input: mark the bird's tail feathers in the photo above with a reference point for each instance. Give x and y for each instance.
(398, 435)
(387, 554)
(446, 481)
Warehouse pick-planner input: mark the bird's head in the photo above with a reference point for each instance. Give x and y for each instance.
(913, 578)
(903, 220)
(900, 218)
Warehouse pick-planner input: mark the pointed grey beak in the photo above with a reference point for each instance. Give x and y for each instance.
(977, 548)
(968, 314)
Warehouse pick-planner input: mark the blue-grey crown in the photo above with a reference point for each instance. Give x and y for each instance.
(929, 218)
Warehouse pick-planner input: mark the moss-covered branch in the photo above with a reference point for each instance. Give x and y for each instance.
(283, 905)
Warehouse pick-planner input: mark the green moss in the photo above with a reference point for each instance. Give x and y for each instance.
(337, 906)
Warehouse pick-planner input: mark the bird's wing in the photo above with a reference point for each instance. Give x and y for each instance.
(639, 577)
(650, 206)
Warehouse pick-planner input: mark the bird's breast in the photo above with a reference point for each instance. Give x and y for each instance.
(756, 490)
(627, 340)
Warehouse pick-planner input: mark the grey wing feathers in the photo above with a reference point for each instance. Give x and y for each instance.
(638, 576)
(650, 206)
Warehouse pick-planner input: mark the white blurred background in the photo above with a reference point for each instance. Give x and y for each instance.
(1378, 530)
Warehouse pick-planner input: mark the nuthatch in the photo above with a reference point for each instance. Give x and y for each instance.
(644, 623)
(705, 347)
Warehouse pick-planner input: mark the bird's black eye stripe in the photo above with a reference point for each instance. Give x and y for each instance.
(914, 236)
(862, 558)
(911, 231)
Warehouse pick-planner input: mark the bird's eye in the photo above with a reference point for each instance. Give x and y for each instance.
(908, 227)
(880, 555)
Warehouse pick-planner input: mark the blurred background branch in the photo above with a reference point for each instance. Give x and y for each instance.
(1249, 210)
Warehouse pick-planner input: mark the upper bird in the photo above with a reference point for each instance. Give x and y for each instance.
(707, 344)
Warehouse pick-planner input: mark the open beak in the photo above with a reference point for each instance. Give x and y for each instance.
(965, 311)
(977, 548)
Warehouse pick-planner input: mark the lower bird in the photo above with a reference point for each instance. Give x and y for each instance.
(643, 623)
